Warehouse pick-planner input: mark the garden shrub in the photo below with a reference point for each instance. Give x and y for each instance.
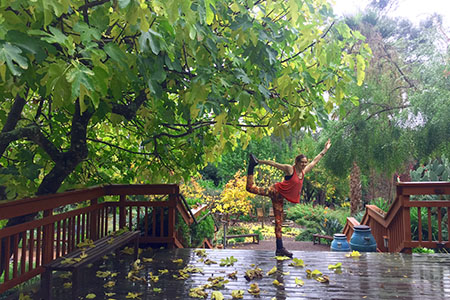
(141, 222)
(236, 230)
(184, 230)
(259, 233)
(306, 234)
(331, 226)
(317, 219)
(306, 214)
(422, 250)
(340, 213)
(204, 229)
(192, 236)
(246, 218)
(381, 203)
(434, 223)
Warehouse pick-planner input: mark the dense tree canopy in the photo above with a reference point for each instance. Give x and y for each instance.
(149, 91)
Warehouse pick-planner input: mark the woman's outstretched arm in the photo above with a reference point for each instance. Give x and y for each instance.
(287, 169)
(318, 157)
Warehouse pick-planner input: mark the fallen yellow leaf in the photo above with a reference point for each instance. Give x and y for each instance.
(67, 285)
(277, 283)
(354, 254)
(133, 295)
(109, 284)
(128, 250)
(254, 289)
(216, 295)
(237, 294)
(65, 275)
(297, 263)
(299, 282)
(272, 271)
(23, 296)
(282, 257)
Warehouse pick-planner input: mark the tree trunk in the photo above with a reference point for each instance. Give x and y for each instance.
(321, 196)
(65, 164)
(355, 189)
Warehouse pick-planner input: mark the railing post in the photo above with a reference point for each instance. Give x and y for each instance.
(171, 222)
(406, 218)
(93, 230)
(122, 213)
(47, 239)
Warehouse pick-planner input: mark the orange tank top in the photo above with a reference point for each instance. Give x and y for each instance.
(290, 188)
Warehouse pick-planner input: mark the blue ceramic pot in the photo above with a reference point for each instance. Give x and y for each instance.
(340, 243)
(362, 239)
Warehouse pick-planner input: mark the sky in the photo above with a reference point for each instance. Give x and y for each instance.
(415, 10)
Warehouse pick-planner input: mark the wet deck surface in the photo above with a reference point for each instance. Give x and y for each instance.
(371, 276)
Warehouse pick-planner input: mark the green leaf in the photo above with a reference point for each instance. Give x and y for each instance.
(360, 66)
(101, 80)
(32, 171)
(56, 36)
(209, 12)
(82, 81)
(263, 90)
(240, 74)
(87, 33)
(56, 84)
(116, 54)
(124, 3)
(12, 56)
(154, 42)
(28, 43)
(144, 41)
(59, 6)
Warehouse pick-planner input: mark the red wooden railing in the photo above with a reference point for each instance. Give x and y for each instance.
(393, 229)
(66, 219)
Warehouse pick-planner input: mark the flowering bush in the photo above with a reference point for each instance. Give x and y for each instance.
(234, 198)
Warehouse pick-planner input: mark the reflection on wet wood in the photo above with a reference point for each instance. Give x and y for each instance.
(371, 276)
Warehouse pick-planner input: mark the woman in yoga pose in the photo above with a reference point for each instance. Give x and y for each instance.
(288, 189)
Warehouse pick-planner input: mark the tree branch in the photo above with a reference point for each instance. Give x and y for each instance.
(310, 45)
(32, 133)
(11, 121)
(387, 108)
(129, 110)
(93, 4)
(398, 67)
(66, 162)
(120, 148)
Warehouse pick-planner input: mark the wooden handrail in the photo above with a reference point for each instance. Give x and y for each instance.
(424, 188)
(57, 233)
(15, 208)
(394, 226)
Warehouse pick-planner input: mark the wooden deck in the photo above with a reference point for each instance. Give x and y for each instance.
(371, 276)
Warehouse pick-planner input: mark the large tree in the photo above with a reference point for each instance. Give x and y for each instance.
(371, 138)
(149, 91)
(403, 103)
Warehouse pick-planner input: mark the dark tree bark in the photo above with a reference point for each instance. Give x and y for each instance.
(355, 189)
(65, 162)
